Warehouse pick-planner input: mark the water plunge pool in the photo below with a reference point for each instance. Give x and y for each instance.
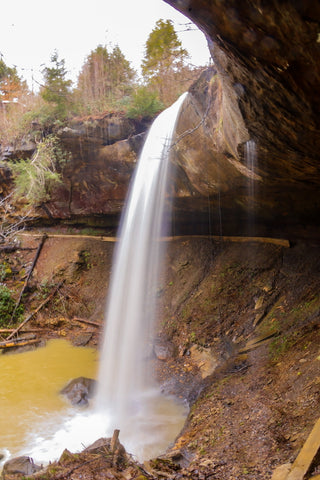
(37, 421)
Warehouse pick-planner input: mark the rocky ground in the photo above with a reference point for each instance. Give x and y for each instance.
(238, 337)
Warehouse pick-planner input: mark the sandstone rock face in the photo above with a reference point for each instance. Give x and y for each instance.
(102, 153)
(267, 60)
(96, 179)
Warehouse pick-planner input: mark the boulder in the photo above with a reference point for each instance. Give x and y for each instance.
(204, 359)
(19, 467)
(163, 352)
(79, 390)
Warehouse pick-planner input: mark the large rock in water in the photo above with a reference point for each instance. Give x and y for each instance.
(265, 92)
(79, 390)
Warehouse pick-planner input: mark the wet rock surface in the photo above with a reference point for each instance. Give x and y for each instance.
(95, 180)
(19, 467)
(79, 390)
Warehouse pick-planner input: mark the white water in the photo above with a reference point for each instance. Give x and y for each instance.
(126, 389)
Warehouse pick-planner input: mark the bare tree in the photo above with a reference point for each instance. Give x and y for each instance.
(11, 223)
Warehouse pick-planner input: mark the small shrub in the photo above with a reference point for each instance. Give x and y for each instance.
(5, 270)
(145, 103)
(7, 304)
(84, 260)
(35, 179)
(40, 121)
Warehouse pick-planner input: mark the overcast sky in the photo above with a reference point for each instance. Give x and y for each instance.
(31, 30)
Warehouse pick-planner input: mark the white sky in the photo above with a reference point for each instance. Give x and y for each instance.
(31, 30)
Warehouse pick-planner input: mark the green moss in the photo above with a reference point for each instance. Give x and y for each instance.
(280, 345)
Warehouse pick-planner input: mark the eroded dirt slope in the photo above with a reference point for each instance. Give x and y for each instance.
(239, 335)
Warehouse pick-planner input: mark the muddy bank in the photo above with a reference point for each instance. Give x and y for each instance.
(238, 337)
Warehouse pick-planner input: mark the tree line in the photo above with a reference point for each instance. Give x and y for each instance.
(106, 82)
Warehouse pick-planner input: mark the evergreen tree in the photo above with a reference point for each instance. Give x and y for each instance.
(56, 89)
(164, 58)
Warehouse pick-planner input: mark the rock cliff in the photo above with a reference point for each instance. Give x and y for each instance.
(103, 155)
(255, 156)
(102, 152)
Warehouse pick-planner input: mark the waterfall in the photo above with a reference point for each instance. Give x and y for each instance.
(124, 382)
(250, 155)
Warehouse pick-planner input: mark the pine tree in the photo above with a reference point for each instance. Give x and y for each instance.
(164, 58)
(56, 89)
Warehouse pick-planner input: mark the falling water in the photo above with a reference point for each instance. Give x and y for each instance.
(125, 386)
(250, 155)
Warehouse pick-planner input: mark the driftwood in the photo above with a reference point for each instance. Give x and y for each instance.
(117, 450)
(19, 342)
(29, 275)
(12, 248)
(307, 454)
(89, 322)
(36, 311)
(302, 464)
(29, 330)
(115, 441)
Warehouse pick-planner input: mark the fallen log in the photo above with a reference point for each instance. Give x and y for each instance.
(13, 248)
(89, 322)
(221, 238)
(20, 343)
(35, 311)
(20, 339)
(307, 454)
(29, 330)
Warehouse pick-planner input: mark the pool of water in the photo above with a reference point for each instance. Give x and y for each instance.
(36, 420)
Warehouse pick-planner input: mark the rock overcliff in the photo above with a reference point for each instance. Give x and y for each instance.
(266, 92)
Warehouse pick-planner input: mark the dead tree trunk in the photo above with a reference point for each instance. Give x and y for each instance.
(43, 239)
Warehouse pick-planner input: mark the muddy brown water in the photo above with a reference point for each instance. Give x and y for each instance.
(36, 420)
